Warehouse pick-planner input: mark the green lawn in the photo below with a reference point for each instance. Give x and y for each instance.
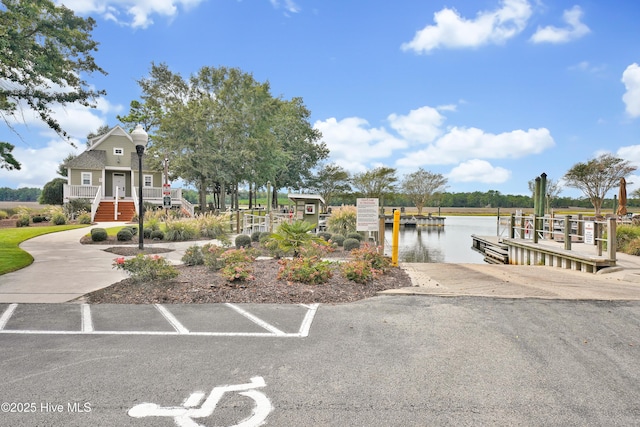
(13, 258)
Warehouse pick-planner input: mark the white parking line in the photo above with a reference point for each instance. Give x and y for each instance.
(256, 320)
(7, 315)
(87, 322)
(172, 320)
(308, 319)
(87, 326)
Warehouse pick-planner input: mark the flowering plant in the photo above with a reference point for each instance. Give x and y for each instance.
(312, 270)
(146, 268)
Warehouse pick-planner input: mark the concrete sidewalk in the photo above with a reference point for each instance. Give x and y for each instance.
(63, 270)
(621, 282)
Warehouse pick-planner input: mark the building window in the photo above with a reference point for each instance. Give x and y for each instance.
(86, 178)
(148, 180)
(118, 151)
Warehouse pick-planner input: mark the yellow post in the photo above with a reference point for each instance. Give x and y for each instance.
(394, 242)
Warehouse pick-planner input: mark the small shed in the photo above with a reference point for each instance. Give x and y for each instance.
(307, 207)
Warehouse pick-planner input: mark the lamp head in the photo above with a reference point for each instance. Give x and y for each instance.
(140, 139)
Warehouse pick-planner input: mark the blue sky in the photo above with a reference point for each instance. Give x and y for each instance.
(490, 93)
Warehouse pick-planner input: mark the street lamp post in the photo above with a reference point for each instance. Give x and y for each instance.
(140, 139)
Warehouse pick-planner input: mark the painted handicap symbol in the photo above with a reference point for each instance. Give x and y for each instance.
(184, 415)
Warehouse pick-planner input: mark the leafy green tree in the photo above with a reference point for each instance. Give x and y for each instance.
(421, 186)
(45, 52)
(52, 192)
(597, 176)
(7, 161)
(329, 181)
(299, 146)
(98, 132)
(376, 183)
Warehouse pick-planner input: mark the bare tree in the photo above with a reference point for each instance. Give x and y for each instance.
(421, 186)
(553, 190)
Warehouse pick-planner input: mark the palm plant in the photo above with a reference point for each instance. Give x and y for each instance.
(293, 236)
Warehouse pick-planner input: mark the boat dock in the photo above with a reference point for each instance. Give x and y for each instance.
(581, 257)
(416, 221)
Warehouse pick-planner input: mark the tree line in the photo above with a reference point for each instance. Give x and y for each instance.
(19, 195)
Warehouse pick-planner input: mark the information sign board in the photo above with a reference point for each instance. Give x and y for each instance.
(367, 214)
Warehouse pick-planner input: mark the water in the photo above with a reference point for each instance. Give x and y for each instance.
(451, 243)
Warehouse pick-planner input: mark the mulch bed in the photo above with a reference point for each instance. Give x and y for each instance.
(199, 285)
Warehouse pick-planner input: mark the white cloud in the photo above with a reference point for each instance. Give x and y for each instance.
(575, 29)
(353, 144)
(479, 171)
(77, 120)
(38, 165)
(420, 125)
(288, 5)
(630, 153)
(631, 98)
(453, 31)
(138, 12)
(461, 144)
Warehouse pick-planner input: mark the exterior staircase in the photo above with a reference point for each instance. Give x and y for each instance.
(105, 212)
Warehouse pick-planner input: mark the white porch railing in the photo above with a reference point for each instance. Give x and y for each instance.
(186, 205)
(135, 200)
(155, 193)
(95, 203)
(80, 191)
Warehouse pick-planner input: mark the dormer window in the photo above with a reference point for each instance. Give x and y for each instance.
(118, 151)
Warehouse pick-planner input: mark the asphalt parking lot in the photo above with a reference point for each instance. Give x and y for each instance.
(386, 361)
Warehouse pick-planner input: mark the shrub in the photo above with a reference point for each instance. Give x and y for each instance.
(157, 235)
(134, 229)
(243, 241)
(238, 264)
(355, 235)
(633, 247)
(23, 220)
(124, 235)
(146, 268)
(212, 255)
(264, 236)
(98, 234)
(324, 235)
(625, 234)
(358, 270)
(84, 218)
(38, 218)
(4, 215)
(180, 230)
(310, 270)
(342, 220)
(255, 236)
(372, 256)
(338, 239)
(317, 249)
(350, 244)
(76, 207)
(146, 232)
(58, 219)
(193, 256)
(213, 226)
